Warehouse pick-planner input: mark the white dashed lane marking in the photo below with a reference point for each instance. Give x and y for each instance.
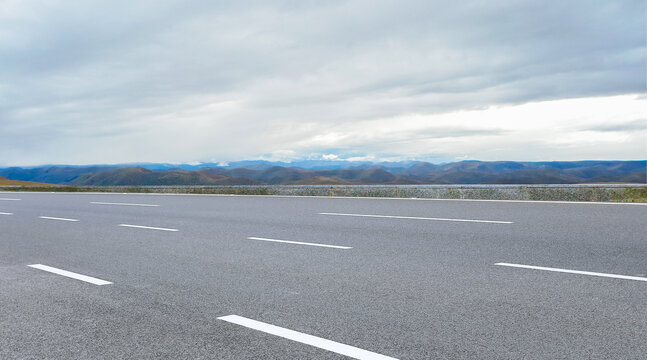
(339, 348)
(579, 272)
(121, 204)
(147, 227)
(56, 218)
(419, 218)
(70, 274)
(300, 243)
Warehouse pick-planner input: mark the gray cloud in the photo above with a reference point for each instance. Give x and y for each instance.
(118, 81)
(630, 126)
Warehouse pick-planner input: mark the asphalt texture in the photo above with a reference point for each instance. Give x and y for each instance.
(408, 288)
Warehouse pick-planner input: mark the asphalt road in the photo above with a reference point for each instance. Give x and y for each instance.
(418, 282)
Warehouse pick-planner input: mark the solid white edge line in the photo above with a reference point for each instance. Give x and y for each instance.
(335, 197)
(7, 199)
(122, 204)
(419, 218)
(5, 213)
(147, 227)
(56, 218)
(70, 274)
(615, 276)
(339, 348)
(300, 243)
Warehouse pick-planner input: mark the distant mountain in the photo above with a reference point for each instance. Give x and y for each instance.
(282, 175)
(510, 172)
(265, 164)
(318, 173)
(142, 176)
(52, 174)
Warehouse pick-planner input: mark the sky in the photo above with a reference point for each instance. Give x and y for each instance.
(112, 82)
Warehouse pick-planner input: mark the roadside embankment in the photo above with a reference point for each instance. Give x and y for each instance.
(597, 192)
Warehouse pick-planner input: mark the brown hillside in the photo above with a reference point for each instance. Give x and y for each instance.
(321, 180)
(8, 182)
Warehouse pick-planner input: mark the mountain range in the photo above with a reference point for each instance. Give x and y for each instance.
(338, 173)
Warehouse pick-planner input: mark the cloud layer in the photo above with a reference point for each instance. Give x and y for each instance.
(122, 81)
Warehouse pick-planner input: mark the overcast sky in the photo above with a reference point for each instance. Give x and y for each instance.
(97, 82)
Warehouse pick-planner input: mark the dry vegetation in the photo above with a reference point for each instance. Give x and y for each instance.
(8, 182)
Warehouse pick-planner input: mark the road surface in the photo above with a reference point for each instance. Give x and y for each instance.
(109, 276)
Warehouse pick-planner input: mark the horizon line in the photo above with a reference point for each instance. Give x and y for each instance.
(227, 163)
